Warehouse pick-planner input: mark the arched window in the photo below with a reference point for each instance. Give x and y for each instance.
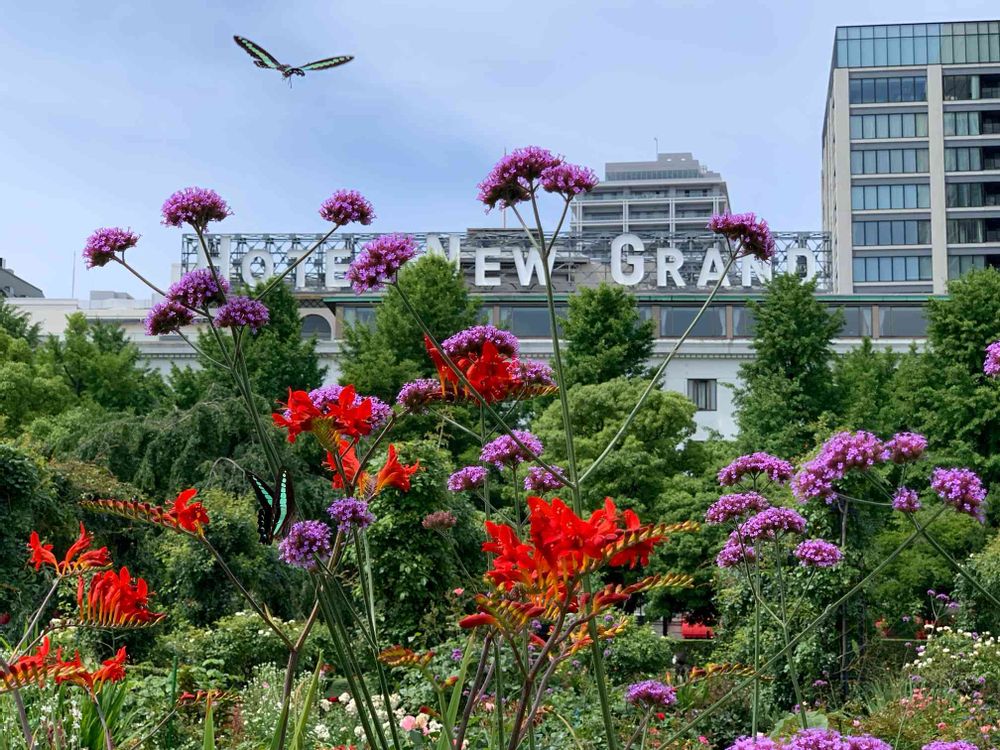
(316, 326)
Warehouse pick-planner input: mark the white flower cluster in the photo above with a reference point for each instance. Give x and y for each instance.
(378, 703)
(958, 656)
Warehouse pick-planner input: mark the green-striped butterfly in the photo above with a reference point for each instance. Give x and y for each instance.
(264, 59)
(276, 507)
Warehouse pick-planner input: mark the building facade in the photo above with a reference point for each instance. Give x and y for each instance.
(675, 193)
(911, 155)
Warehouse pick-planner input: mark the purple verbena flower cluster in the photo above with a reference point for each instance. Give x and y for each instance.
(946, 745)
(167, 317)
(962, 489)
(350, 514)
(818, 553)
(326, 395)
(865, 742)
(504, 451)
(815, 739)
(306, 541)
(651, 693)
(540, 479)
(346, 207)
(199, 288)
(730, 507)
(415, 395)
(509, 182)
(569, 180)
(439, 520)
(752, 235)
(532, 372)
(195, 206)
(771, 522)
(760, 742)
(905, 446)
(734, 552)
(242, 311)
(472, 340)
(379, 261)
(992, 364)
(906, 500)
(841, 453)
(104, 244)
(755, 465)
(467, 478)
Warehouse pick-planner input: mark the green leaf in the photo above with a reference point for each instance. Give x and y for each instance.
(208, 740)
(298, 739)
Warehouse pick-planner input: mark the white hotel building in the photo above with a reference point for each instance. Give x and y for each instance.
(656, 246)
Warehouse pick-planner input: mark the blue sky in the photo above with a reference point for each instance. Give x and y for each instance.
(107, 108)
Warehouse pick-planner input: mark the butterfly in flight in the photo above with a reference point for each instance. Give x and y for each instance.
(275, 506)
(264, 59)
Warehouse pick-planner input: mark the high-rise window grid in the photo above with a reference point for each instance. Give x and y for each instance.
(901, 125)
(896, 232)
(974, 86)
(890, 161)
(888, 89)
(886, 268)
(884, 197)
(917, 44)
(973, 231)
(961, 264)
(972, 159)
(972, 194)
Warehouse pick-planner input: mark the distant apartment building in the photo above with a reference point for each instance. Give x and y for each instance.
(911, 155)
(675, 193)
(12, 285)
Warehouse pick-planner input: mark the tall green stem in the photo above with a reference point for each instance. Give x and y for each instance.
(756, 648)
(820, 618)
(789, 652)
(596, 651)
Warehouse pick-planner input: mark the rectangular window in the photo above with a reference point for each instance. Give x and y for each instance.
(891, 161)
(743, 321)
(704, 394)
(352, 315)
(888, 268)
(529, 322)
(857, 321)
(904, 232)
(899, 321)
(674, 320)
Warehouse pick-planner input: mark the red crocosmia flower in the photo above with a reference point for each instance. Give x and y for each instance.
(190, 517)
(446, 375)
(477, 620)
(395, 474)
(489, 373)
(351, 465)
(299, 414)
(27, 669)
(79, 558)
(115, 600)
(112, 670)
(353, 420)
(638, 553)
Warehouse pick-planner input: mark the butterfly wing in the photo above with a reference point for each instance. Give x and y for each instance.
(265, 508)
(284, 512)
(328, 62)
(261, 57)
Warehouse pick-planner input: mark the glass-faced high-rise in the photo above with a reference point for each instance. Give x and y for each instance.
(911, 154)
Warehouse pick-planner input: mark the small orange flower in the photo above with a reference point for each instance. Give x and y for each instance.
(477, 620)
(42, 666)
(112, 670)
(193, 517)
(299, 413)
(351, 465)
(115, 600)
(395, 474)
(79, 557)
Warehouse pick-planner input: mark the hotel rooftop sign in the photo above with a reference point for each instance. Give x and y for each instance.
(504, 261)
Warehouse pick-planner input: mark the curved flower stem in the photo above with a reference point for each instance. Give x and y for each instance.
(293, 661)
(478, 683)
(108, 744)
(756, 651)
(959, 568)
(806, 630)
(475, 393)
(277, 279)
(143, 279)
(38, 614)
(640, 731)
(790, 653)
(247, 595)
(22, 714)
(654, 382)
(596, 650)
(201, 352)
